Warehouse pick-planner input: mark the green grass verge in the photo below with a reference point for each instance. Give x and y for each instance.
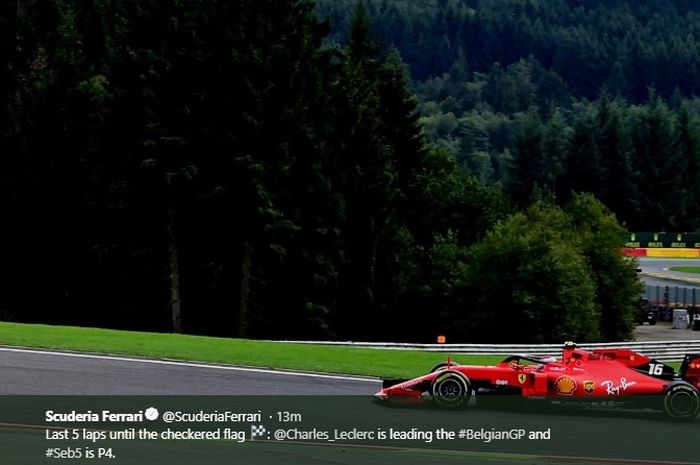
(358, 361)
(686, 269)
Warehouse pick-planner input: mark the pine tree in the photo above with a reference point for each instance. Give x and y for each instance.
(583, 167)
(555, 148)
(689, 146)
(617, 186)
(526, 171)
(661, 166)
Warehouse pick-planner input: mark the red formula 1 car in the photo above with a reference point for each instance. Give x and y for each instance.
(600, 376)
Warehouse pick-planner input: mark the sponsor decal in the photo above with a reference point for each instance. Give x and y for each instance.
(613, 389)
(501, 382)
(522, 377)
(589, 387)
(412, 384)
(565, 385)
(556, 368)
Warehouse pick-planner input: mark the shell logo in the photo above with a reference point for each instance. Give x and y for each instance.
(565, 386)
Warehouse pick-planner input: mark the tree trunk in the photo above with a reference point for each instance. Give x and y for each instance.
(245, 289)
(174, 264)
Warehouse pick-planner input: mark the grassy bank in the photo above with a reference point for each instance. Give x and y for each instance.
(686, 269)
(359, 361)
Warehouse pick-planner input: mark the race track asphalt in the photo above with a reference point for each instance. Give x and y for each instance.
(660, 266)
(46, 373)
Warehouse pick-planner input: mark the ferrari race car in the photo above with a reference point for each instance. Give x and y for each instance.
(601, 376)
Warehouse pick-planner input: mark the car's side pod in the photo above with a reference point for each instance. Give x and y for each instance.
(690, 369)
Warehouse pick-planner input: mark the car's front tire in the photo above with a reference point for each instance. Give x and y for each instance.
(450, 389)
(443, 366)
(681, 401)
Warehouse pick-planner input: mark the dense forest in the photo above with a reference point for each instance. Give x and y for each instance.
(390, 170)
(570, 95)
(578, 46)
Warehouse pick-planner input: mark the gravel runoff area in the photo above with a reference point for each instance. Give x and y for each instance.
(664, 332)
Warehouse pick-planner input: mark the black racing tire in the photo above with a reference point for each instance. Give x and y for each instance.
(451, 389)
(681, 401)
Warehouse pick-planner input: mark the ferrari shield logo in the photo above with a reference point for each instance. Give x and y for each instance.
(522, 377)
(589, 387)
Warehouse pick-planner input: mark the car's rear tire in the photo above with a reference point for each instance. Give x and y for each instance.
(681, 401)
(450, 389)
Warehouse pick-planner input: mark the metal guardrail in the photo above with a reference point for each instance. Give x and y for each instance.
(665, 296)
(660, 350)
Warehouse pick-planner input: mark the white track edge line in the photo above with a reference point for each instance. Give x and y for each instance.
(116, 358)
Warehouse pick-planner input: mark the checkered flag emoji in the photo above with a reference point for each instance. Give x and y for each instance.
(257, 431)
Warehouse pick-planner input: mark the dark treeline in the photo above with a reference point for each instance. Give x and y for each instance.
(225, 168)
(595, 96)
(165, 157)
(643, 162)
(627, 45)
